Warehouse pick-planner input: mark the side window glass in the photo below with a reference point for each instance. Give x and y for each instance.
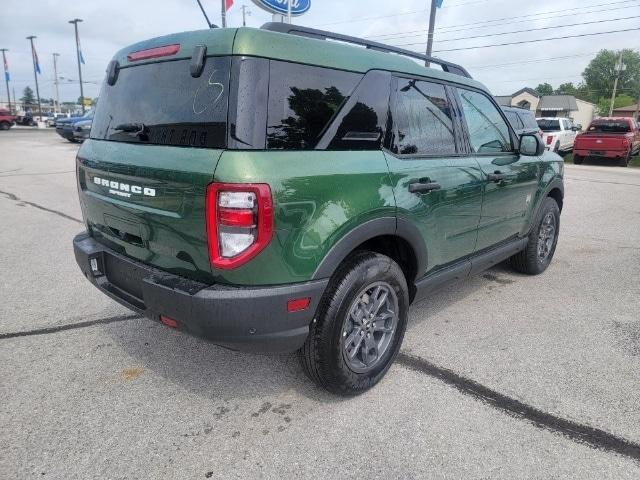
(423, 119)
(302, 102)
(514, 120)
(488, 132)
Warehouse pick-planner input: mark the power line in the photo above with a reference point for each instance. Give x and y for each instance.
(536, 41)
(510, 19)
(524, 31)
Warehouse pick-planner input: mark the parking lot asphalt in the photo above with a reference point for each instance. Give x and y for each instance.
(500, 376)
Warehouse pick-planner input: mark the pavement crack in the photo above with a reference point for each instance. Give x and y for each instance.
(593, 437)
(602, 181)
(71, 326)
(13, 197)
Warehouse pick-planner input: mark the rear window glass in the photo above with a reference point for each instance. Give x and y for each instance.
(609, 126)
(549, 125)
(528, 119)
(162, 104)
(514, 120)
(302, 102)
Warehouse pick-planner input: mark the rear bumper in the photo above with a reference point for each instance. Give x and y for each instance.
(601, 153)
(65, 133)
(251, 319)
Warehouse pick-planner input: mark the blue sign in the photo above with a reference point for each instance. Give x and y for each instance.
(298, 7)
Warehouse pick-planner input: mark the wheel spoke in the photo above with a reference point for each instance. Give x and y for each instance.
(356, 347)
(370, 349)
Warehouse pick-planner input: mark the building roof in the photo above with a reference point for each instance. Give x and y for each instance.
(558, 103)
(630, 108)
(530, 91)
(504, 100)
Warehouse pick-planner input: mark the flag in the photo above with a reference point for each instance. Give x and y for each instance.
(439, 3)
(35, 59)
(228, 4)
(6, 70)
(79, 48)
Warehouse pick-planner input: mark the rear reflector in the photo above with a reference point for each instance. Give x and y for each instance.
(236, 217)
(164, 51)
(298, 304)
(169, 322)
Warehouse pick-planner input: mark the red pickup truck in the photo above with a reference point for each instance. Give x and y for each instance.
(6, 119)
(615, 138)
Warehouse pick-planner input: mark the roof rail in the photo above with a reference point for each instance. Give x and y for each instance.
(324, 35)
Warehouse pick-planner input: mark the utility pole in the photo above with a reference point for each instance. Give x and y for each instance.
(619, 69)
(35, 72)
(55, 72)
(289, 12)
(245, 13)
(6, 75)
(432, 24)
(223, 7)
(75, 24)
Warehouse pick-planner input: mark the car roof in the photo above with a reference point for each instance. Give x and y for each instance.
(288, 47)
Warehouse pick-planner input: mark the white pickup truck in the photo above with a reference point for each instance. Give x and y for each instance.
(558, 134)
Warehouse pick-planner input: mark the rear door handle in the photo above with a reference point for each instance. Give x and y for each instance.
(497, 176)
(424, 187)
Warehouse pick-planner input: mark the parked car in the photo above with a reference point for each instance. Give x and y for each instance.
(26, 120)
(613, 138)
(7, 120)
(51, 121)
(272, 191)
(65, 126)
(522, 120)
(81, 130)
(558, 134)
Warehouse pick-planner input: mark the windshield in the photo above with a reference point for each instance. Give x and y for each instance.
(161, 103)
(609, 126)
(549, 125)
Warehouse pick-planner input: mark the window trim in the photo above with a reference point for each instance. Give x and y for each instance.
(458, 138)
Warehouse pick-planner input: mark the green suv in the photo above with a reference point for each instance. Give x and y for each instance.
(275, 190)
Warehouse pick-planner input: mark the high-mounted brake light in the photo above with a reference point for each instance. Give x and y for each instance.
(239, 222)
(164, 51)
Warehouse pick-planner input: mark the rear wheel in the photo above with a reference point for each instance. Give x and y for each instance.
(624, 161)
(5, 125)
(542, 241)
(577, 159)
(359, 326)
(556, 148)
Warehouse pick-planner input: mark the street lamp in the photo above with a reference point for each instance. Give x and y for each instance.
(79, 55)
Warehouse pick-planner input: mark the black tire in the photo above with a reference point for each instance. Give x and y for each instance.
(5, 125)
(577, 159)
(529, 260)
(556, 148)
(624, 161)
(325, 350)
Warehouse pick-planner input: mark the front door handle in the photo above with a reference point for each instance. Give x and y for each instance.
(497, 176)
(424, 187)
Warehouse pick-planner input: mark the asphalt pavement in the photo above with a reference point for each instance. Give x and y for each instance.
(500, 376)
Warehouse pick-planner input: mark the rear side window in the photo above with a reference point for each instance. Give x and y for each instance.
(488, 132)
(514, 119)
(303, 100)
(423, 119)
(162, 104)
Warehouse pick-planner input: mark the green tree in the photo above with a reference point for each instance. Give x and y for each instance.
(601, 72)
(622, 100)
(566, 89)
(544, 89)
(27, 96)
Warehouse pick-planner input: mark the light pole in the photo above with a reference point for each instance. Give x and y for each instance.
(432, 24)
(55, 72)
(6, 75)
(620, 67)
(75, 24)
(289, 12)
(35, 72)
(223, 6)
(245, 14)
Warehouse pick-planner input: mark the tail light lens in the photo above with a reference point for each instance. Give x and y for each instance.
(549, 139)
(239, 222)
(625, 142)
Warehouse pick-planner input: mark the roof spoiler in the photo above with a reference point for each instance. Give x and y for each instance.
(381, 47)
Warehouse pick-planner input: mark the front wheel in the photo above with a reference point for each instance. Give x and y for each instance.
(577, 160)
(359, 325)
(542, 241)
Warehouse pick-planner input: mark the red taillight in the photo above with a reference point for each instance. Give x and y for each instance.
(298, 304)
(239, 222)
(549, 140)
(164, 51)
(169, 322)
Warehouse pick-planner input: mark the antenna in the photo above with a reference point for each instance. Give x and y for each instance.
(209, 24)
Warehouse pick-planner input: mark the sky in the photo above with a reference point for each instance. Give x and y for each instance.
(109, 25)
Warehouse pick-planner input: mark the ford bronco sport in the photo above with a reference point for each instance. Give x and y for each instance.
(274, 190)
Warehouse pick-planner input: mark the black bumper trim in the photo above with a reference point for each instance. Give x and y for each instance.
(251, 319)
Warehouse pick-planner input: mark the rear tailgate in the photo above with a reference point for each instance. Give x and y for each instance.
(144, 208)
(599, 142)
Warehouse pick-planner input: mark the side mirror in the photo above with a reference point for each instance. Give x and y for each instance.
(531, 145)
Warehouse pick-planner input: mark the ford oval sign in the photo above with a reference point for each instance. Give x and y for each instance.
(298, 7)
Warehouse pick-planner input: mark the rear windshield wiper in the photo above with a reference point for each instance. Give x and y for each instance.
(131, 127)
